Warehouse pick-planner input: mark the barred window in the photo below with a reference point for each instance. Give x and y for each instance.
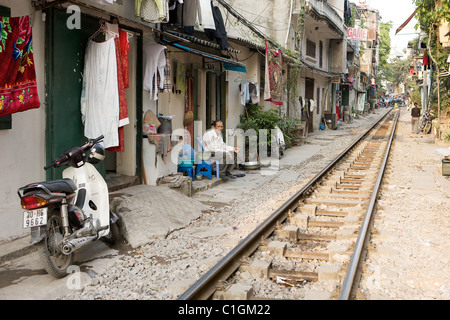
(310, 48)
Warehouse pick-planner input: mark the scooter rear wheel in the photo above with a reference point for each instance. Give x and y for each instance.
(54, 261)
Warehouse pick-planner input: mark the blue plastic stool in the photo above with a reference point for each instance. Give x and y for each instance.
(204, 168)
(188, 170)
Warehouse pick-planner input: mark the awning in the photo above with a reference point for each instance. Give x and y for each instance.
(406, 22)
(233, 65)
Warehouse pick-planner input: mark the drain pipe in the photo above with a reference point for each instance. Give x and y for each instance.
(289, 25)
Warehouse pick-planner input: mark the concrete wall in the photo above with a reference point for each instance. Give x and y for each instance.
(270, 17)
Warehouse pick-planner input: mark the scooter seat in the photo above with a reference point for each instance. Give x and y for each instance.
(64, 185)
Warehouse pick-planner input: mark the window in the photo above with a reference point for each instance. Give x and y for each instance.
(310, 48)
(318, 101)
(320, 54)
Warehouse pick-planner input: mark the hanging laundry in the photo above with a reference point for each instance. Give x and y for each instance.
(167, 83)
(167, 74)
(245, 92)
(100, 92)
(188, 14)
(312, 106)
(124, 51)
(180, 83)
(18, 86)
(273, 89)
(426, 60)
(153, 11)
(122, 35)
(173, 11)
(207, 15)
(123, 108)
(254, 92)
(154, 65)
(219, 33)
(308, 108)
(115, 32)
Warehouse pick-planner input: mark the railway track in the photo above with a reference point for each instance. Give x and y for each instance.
(312, 246)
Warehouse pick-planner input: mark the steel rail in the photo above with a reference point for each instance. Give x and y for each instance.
(348, 286)
(205, 286)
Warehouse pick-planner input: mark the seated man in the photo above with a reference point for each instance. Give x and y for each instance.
(213, 142)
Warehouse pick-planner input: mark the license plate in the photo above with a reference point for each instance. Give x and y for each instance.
(35, 218)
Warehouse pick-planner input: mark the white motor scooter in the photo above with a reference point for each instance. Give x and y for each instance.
(65, 215)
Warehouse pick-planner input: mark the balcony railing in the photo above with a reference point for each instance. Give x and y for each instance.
(323, 9)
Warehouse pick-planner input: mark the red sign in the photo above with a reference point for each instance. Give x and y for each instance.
(357, 34)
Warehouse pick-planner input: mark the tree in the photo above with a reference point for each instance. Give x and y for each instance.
(430, 14)
(384, 70)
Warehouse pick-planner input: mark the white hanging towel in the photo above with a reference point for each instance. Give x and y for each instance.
(100, 93)
(206, 15)
(155, 62)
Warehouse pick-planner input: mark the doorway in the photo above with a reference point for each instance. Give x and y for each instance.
(65, 50)
(309, 95)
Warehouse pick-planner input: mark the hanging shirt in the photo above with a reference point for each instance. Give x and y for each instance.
(219, 33)
(189, 12)
(245, 93)
(155, 62)
(100, 93)
(153, 11)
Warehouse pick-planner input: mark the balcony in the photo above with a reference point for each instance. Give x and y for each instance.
(324, 11)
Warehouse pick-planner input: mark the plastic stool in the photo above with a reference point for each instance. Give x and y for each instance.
(217, 168)
(188, 170)
(204, 168)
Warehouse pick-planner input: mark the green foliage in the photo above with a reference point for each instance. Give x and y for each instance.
(416, 97)
(257, 118)
(429, 16)
(446, 136)
(384, 69)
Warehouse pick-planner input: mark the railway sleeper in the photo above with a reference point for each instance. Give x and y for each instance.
(331, 256)
(236, 291)
(347, 196)
(304, 221)
(313, 210)
(293, 234)
(262, 269)
(334, 251)
(292, 277)
(334, 203)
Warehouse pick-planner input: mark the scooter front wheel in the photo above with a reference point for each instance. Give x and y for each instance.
(427, 128)
(114, 234)
(54, 261)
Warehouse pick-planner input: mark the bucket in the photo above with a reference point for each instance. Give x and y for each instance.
(445, 167)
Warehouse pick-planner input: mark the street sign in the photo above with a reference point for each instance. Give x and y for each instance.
(357, 34)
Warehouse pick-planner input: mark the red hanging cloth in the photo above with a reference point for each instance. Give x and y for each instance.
(18, 86)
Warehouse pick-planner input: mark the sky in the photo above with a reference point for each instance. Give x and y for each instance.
(396, 11)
